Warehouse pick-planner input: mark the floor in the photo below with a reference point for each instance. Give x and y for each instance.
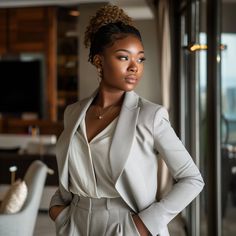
(45, 227)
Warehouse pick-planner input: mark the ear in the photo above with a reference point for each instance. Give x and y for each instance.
(97, 61)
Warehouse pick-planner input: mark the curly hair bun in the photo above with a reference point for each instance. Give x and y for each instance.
(105, 15)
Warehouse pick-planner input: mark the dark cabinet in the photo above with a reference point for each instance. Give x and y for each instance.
(67, 58)
(24, 29)
(53, 32)
(3, 31)
(33, 30)
(28, 29)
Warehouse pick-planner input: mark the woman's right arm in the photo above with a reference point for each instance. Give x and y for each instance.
(59, 201)
(54, 211)
(61, 197)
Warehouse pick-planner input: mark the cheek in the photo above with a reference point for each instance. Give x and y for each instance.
(141, 69)
(114, 69)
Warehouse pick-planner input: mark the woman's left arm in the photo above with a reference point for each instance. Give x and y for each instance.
(189, 182)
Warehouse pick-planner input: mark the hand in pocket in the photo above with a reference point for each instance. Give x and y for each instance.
(142, 229)
(55, 211)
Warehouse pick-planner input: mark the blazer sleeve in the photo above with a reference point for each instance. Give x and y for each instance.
(61, 197)
(189, 182)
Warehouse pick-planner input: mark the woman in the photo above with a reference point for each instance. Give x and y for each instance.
(107, 153)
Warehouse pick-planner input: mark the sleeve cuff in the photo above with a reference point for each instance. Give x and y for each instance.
(153, 218)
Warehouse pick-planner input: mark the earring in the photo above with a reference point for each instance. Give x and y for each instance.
(99, 74)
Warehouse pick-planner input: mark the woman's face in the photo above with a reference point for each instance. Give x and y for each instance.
(122, 64)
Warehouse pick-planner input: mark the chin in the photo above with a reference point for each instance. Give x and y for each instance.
(129, 88)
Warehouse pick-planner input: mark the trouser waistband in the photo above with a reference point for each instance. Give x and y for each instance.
(99, 203)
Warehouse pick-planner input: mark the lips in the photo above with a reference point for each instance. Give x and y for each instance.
(131, 79)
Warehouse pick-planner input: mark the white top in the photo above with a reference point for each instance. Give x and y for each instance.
(89, 164)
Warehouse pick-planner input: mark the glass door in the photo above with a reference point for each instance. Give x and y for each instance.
(228, 118)
(207, 81)
(189, 21)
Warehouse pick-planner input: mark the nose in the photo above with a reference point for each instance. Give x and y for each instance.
(133, 67)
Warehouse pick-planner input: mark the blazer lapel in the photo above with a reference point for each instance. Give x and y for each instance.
(66, 136)
(124, 134)
(76, 117)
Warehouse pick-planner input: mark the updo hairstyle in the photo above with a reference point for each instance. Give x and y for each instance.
(108, 25)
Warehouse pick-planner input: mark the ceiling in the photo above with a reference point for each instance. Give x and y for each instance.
(137, 9)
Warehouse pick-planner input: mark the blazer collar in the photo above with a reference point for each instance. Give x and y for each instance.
(130, 102)
(64, 141)
(80, 113)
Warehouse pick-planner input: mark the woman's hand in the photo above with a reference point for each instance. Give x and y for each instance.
(55, 211)
(142, 229)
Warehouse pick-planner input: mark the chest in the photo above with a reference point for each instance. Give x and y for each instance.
(94, 125)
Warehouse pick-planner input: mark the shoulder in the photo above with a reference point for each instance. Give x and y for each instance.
(73, 108)
(144, 103)
(152, 108)
(150, 112)
(70, 109)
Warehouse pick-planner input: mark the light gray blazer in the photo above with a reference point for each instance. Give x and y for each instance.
(143, 130)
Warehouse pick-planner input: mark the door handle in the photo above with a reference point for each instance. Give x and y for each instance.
(198, 47)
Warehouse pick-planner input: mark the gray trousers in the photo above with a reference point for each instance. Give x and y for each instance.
(96, 217)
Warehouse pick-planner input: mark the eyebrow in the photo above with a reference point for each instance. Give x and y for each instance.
(125, 50)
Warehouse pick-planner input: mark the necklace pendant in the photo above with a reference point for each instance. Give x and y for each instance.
(100, 117)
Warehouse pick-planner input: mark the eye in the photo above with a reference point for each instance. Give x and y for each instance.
(123, 58)
(141, 60)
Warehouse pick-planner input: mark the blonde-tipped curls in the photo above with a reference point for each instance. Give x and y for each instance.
(105, 15)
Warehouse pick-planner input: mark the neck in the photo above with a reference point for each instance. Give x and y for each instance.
(106, 98)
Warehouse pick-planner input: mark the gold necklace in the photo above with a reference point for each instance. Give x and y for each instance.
(100, 115)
